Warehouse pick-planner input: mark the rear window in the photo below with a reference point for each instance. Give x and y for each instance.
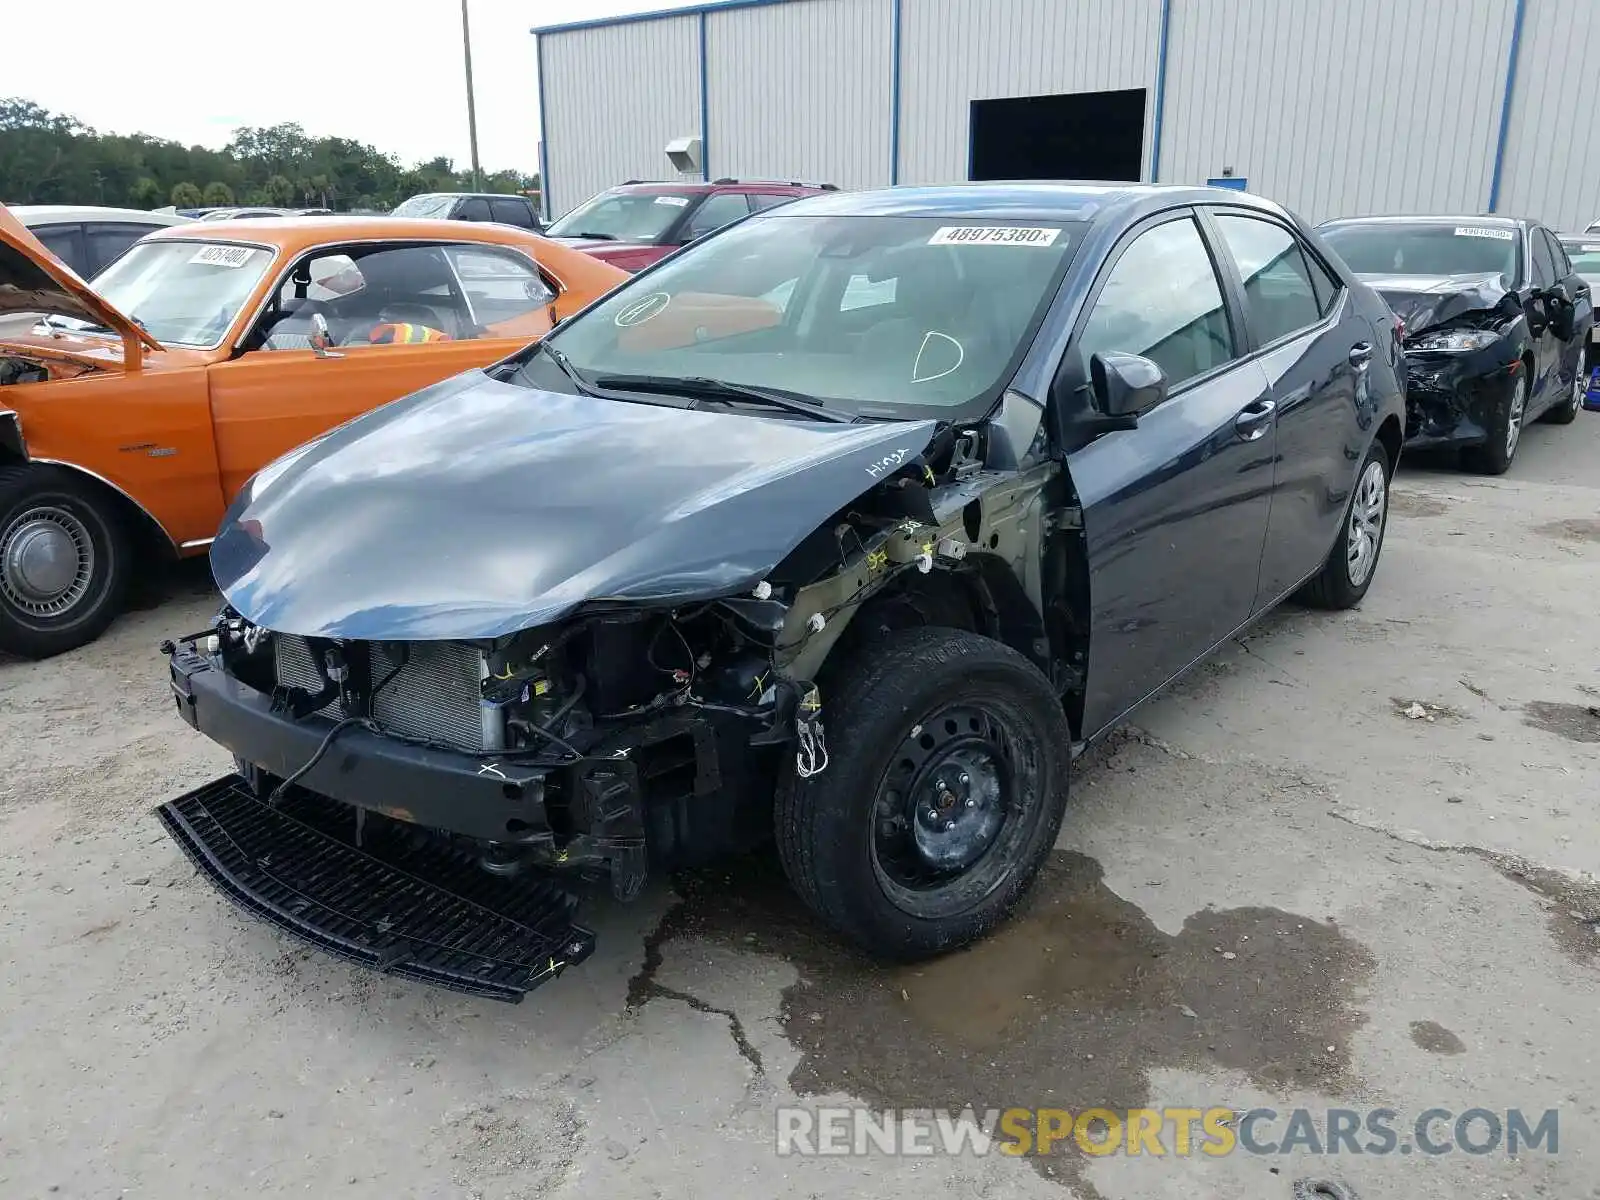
(1431, 248)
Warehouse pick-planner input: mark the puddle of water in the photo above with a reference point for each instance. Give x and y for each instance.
(1071, 1003)
(1575, 722)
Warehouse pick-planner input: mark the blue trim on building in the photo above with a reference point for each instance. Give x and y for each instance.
(894, 92)
(544, 141)
(705, 104)
(657, 14)
(1505, 105)
(1161, 92)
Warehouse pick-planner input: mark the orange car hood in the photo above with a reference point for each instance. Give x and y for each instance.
(34, 280)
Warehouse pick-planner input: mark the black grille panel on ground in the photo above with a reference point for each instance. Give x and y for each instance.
(406, 903)
(435, 695)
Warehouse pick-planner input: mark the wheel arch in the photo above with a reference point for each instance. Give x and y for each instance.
(1391, 436)
(149, 536)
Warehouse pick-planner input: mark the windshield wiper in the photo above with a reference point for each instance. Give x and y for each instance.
(701, 388)
(584, 387)
(593, 237)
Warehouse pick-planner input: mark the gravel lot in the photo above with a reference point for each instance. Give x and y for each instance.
(1279, 889)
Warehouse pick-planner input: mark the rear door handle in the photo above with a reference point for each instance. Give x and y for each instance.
(1254, 419)
(1361, 355)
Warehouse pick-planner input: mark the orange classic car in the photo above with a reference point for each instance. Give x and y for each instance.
(132, 408)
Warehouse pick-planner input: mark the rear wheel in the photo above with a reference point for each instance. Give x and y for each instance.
(64, 561)
(1505, 432)
(946, 788)
(1566, 412)
(1348, 570)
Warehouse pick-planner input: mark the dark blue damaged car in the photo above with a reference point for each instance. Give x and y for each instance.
(848, 525)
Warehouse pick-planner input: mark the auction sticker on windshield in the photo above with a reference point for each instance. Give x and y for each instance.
(673, 201)
(223, 256)
(993, 235)
(1499, 235)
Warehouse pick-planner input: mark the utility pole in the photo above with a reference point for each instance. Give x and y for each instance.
(472, 114)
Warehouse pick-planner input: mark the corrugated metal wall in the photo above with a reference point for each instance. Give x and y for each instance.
(1551, 170)
(1339, 107)
(1334, 107)
(801, 91)
(614, 97)
(957, 51)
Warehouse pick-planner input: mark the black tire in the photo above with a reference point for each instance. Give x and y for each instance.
(1337, 585)
(1494, 457)
(39, 503)
(1567, 411)
(830, 825)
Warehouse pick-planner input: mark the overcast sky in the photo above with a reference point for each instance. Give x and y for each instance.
(389, 74)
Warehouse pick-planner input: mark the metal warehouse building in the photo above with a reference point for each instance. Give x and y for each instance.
(1333, 107)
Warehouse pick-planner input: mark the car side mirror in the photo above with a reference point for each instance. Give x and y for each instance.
(321, 338)
(1125, 387)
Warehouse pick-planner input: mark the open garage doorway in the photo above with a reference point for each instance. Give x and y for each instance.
(1076, 135)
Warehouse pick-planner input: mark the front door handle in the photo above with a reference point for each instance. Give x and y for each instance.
(1254, 419)
(1361, 355)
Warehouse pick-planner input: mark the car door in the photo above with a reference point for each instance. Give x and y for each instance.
(1175, 510)
(1315, 349)
(277, 392)
(1579, 317)
(1548, 344)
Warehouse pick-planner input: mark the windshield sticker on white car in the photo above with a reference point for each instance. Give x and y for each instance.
(673, 201)
(1499, 235)
(223, 256)
(993, 235)
(1589, 248)
(641, 311)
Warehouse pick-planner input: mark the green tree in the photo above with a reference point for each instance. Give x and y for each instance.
(217, 194)
(279, 191)
(145, 192)
(186, 195)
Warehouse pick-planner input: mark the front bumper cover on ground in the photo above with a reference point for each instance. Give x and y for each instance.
(406, 905)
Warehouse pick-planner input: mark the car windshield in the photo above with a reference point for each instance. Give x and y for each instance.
(423, 206)
(181, 293)
(1584, 253)
(1432, 248)
(881, 316)
(623, 217)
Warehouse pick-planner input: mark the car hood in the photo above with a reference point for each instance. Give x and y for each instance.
(33, 280)
(475, 508)
(1424, 301)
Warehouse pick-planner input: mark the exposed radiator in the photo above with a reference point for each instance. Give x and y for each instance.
(436, 695)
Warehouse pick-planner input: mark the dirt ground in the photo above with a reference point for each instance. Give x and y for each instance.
(1341, 865)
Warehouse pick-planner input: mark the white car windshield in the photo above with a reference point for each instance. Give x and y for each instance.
(424, 206)
(874, 315)
(182, 293)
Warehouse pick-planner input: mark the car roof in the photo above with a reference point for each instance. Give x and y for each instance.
(1022, 200)
(303, 233)
(1494, 220)
(42, 214)
(696, 186)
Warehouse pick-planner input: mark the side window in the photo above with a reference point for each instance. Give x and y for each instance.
(512, 212)
(66, 243)
(386, 295)
(107, 241)
(500, 285)
(1544, 264)
(474, 208)
(761, 201)
(1162, 300)
(1560, 268)
(715, 212)
(1279, 295)
(1563, 259)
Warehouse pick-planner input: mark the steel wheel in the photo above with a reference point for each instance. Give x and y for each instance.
(47, 561)
(1519, 406)
(1365, 533)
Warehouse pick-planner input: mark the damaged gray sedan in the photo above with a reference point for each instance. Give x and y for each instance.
(1496, 326)
(848, 525)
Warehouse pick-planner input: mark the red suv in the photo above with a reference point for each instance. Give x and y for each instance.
(633, 225)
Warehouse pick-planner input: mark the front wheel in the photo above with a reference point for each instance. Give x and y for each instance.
(64, 561)
(1566, 412)
(1505, 432)
(1348, 570)
(946, 788)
